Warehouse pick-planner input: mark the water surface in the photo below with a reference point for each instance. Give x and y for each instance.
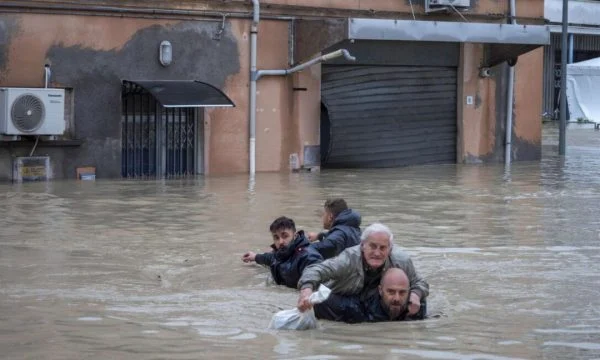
(151, 269)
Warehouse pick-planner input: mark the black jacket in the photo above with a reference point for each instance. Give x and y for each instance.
(351, 309)
(288, 263)
(344, 233)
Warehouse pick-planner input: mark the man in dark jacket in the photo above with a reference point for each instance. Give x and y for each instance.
(291, 253)
(390, 303)
(343, 224)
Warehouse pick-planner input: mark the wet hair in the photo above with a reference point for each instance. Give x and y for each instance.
(335, 206)
(282, 223)
(377, 228)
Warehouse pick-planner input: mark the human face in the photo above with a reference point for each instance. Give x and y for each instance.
(282, 238)
(395, 297)
(327, 219)
(376, 249)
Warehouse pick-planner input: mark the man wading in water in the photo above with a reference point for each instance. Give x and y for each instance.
(291, 253)
(343, 225)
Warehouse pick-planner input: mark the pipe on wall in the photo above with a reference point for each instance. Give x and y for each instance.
(257, 74)
(253, 79)
(571, 54)
(47, 74)
(562, 128)
(300, 67)
(510, 95)
(134, 12)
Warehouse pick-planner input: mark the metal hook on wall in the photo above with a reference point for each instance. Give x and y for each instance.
(221, 28)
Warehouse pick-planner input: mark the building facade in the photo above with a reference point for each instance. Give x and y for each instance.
(427, 85)
(583, 44)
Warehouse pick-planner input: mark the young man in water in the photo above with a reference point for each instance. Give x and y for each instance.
(291, 253)
(343, 225)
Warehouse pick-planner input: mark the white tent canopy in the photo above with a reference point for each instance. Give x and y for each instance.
(583, 88)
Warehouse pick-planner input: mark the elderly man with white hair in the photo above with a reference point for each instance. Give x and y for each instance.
(357, 270)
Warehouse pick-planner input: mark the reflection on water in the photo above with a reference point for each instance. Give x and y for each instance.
(139, 270)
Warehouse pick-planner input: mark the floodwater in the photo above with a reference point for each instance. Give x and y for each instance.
(152, 270)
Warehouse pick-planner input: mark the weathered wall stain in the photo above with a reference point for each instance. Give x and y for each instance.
(8, 28)
(501, 76)
(525, 150)
(477, 138)
(96, 75)
(524, 146)
(485, 127)
(92, 54)
(494, 9)
(494, 140)
(527, 122)
(478, 100)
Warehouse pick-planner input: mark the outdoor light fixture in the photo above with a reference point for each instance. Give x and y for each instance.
(485, 72)
(165, 53)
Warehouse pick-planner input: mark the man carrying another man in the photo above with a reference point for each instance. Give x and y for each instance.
(354, 277)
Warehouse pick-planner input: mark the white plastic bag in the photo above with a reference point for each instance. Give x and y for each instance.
(293, 319)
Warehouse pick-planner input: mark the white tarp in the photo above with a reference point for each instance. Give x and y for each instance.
(583, 88)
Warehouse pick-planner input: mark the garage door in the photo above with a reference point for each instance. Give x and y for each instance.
(387, 116)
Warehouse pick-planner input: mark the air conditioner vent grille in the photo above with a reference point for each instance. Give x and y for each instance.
(27, 113)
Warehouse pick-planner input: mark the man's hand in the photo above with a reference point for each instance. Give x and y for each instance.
(312, 236)
(249, 257)
(414, 304)
(303, 303)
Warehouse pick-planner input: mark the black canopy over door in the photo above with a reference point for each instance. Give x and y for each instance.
(160, 132)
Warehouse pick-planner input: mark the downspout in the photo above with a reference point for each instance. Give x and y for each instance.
(571, 49)
(257, 74)
(47, 74)
(510, 95)
(253, 79)
(318, 59)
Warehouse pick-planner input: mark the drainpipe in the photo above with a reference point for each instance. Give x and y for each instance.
(318, 59)
(47, 73)
(253, 79)
(257, 74)
(571, 49)
(509, 100)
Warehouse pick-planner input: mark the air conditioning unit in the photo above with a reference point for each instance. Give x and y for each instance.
(435, 5)
(32, 111)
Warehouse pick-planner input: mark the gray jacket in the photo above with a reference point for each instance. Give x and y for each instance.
(344, 274)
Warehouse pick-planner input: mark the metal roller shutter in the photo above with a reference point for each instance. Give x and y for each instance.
(387, 116)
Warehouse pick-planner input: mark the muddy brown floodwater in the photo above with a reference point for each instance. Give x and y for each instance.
(152, 270)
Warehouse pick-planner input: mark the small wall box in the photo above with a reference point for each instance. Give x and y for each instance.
(33, 168)
(86, 173)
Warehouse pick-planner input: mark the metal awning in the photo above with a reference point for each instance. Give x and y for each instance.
(181, 93)
(503, 41)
